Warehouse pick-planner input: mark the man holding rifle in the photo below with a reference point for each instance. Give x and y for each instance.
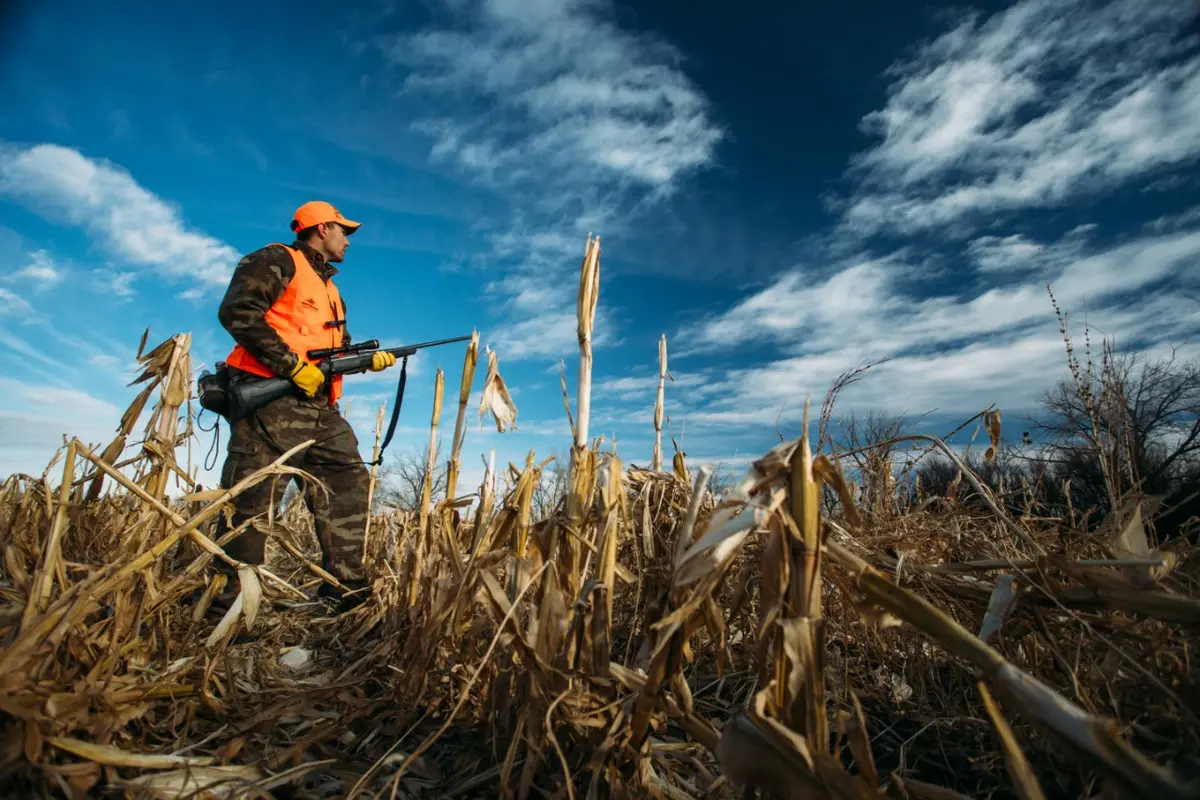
(280, 305)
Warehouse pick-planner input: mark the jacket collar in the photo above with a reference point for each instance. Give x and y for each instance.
(318, 262)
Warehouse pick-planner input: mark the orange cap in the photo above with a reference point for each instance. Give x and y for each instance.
(317, 211)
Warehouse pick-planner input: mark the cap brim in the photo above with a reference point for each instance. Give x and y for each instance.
(350, 225)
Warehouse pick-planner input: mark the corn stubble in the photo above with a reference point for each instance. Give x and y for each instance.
(642, 640)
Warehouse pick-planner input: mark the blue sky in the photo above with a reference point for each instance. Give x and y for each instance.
(785, 193)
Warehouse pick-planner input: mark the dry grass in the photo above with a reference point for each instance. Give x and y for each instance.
(642, 641)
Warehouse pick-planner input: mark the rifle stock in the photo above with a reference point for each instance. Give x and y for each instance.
(246, 397)
(249, 396)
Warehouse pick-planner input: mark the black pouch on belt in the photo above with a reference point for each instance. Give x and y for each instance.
(212, 390)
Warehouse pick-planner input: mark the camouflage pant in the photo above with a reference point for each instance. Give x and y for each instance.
(340, 513)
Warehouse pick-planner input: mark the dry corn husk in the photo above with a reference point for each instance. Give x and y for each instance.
(496, 398)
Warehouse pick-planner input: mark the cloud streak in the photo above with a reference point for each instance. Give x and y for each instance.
(12, 304)
(122, 217)
(41, 271)
(1029, 108)
(35, 417)
(870, 307)
(574, 120)
(568, 92)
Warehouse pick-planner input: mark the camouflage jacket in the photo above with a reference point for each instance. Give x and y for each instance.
(258, 281)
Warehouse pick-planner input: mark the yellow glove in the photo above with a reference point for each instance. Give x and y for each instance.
(308, 378)
(381, 360)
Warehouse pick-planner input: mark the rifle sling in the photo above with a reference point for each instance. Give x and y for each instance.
(395, 411)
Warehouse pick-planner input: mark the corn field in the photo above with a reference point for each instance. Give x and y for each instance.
(645, 640)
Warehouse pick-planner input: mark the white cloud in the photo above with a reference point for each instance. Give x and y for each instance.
(124, 218)
(1007, 371)
(527, 292)
(548, 334)
(1170, 222)
(797, 301)
(1006, 254)
(540, 245)
(55, 397)
(35, 417)
(569, 94)
(953, 352)
(890, 316)
(538, 300)
(19, 345)
(1134, 265)
(114, 282)
(1029, 108)
(41, 271)
(644, 388)
(92, 348)
(568, 116)
(12, 304)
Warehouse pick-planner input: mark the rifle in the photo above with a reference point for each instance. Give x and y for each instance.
(238, 400)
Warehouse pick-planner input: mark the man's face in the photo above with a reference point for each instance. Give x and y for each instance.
(335, 242)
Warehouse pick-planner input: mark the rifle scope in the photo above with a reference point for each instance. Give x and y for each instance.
(348, 350)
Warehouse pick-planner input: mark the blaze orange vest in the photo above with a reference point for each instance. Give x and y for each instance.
(299, 317)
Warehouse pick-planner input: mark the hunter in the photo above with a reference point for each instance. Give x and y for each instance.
(281, 303)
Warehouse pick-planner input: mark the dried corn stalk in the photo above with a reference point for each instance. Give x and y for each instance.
(171, 362)
(583, 459)
(374, 476)
(448, 542)
(585, 309)
(460, 429)
(656, 460)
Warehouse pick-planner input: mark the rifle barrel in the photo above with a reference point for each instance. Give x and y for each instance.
(430, 344)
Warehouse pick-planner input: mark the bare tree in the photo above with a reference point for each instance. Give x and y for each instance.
(867, 442)
(1143, 419)
(401, 480)
(723, 479)
(1010, 477)
(552, 488)
(1128, 426)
